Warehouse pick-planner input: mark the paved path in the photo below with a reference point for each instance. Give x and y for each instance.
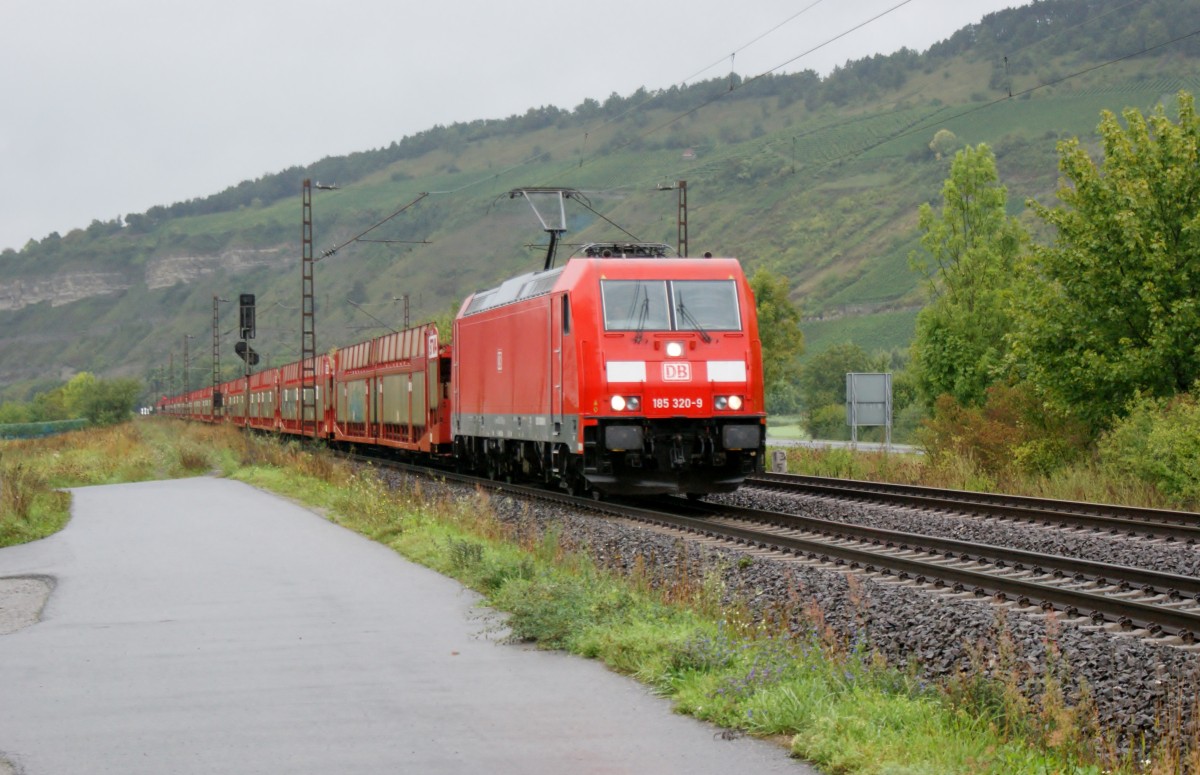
(202, 626)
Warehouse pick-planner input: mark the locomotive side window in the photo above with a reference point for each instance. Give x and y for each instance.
(566, 314)
(705, 305)
(635, 305)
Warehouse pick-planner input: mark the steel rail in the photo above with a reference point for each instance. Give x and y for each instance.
(1150, 581)
(1178, 525)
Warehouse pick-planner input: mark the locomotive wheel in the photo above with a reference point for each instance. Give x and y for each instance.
(576, 485)
(571, 479)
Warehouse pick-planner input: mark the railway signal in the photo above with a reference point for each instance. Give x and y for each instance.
(246, 353)
(246, 315)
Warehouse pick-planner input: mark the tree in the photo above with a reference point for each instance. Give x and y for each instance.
(824, 378)
(49, 406)
(109, 401)
(1116, 305)
(99, 401)
(12, 412)
(780, 335)
(959, 343)
(76, 392)
(943, 143)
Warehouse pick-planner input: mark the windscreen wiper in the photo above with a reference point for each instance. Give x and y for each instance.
(641, 321)
(692, 320)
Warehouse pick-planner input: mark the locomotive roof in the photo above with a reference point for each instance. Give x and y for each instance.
(523, 287)
(539, 283)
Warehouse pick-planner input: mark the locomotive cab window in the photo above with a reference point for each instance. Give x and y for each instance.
(710, 305)
(678, 305)
(635, 305)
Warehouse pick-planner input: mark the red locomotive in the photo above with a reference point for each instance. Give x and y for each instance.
(622, 372)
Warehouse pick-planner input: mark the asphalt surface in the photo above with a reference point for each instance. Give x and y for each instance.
(202, 626)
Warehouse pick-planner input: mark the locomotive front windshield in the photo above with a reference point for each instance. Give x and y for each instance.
(674, 305)
(710, 305)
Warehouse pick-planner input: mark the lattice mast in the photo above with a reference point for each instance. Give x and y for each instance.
(216, 360)
(308, 329)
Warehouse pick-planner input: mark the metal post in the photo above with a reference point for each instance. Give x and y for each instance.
(853, 397)
(888, 427)
(216, 357)
(682, 237)
(186, 337)
(308, 330)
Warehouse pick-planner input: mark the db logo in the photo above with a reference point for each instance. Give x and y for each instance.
(677, 372)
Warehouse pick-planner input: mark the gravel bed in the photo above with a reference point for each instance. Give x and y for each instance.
(1131, 679)
(22, 599)
(1168, 557)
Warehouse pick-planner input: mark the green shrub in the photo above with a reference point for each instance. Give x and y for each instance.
(1013, 432)
(828, 422)
(1159, 443)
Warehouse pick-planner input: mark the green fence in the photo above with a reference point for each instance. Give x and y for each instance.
(33, 430)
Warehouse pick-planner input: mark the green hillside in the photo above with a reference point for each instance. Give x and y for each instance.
(818, 179)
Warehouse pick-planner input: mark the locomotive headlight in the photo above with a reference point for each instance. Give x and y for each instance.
(674, 349)
(727, 402)
(625, 403)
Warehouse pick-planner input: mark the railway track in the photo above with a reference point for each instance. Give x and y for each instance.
(1161, 604)
(1152, 523)
(1131, 598)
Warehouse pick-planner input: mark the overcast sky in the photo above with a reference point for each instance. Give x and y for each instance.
(109, 107)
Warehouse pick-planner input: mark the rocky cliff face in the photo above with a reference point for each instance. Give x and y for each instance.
(60, 289)
(66, 287)
(172, 270)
